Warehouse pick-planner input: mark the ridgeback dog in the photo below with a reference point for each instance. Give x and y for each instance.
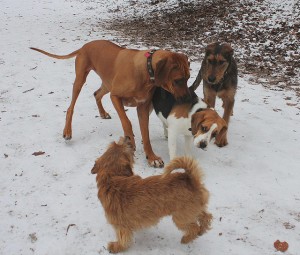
(219, 73)
(131, 77)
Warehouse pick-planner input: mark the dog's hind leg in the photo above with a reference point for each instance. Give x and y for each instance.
(204, 220)
(98, 94)
(82, 70)
(124, 238)
(191, 230)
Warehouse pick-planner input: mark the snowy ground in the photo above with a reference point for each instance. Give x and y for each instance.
(48, 202)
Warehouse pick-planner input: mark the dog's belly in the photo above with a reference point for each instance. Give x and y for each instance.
(133, 102)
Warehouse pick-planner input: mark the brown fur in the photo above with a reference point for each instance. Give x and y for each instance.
(219, 74)
(124, 74)
(203, 120)
(131, 203)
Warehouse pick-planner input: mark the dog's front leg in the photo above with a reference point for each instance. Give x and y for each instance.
(188, 140)
(143, 115)
(172, 143)
(126, 124)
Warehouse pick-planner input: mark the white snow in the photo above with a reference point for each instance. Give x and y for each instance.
(253, 182)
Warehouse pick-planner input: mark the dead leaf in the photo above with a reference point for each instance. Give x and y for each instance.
(38, 153)
(281, 246)
(70, 225)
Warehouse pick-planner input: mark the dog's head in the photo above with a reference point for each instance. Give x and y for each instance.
(118, 159)
(205, 125)
(216, 62)
(172, 73)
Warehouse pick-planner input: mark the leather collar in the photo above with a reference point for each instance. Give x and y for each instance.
(148, 55)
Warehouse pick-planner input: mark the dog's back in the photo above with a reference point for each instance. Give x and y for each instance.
(163, 101)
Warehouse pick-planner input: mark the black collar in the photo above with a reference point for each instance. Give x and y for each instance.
(148, 55)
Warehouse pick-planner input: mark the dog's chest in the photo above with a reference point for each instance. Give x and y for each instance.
(179, 125)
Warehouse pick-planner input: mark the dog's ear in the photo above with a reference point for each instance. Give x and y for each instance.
(210, 48)
(222, 129)
(227, 49)
(161, 71)
(197, 118)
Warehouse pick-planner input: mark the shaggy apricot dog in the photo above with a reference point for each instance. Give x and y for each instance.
(132, 203)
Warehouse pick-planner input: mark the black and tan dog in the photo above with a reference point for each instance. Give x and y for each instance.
(219, 74)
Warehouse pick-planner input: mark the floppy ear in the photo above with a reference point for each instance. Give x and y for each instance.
(228, 49)
(161, 72)
(196, 121)
(210, 48)
(221, 134)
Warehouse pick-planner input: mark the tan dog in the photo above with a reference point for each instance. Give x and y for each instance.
(219, 74)
(132, 203)
(130, 76)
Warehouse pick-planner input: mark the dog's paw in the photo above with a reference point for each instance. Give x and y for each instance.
(105, 116)
(222, 142)
(114, 247)
(67, 135)
(157, 163)
(187, 238)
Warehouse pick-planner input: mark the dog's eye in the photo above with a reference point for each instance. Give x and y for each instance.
(204, 129)
(210, 61)
(221, 62)
(179, 82)
(214, 134)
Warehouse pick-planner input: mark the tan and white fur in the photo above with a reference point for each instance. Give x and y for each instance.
(195, 121)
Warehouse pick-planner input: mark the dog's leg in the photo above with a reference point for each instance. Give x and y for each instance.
(126, 124)
(165, 130)
(204, 220)
(188, 140)
(81, 68)
(98, 94)
(143, 115)
(124, 238)
(172, 143)
(191, 230)
(209, 96)
(228, 103)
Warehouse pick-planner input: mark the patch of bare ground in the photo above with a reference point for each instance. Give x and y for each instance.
(265, 38)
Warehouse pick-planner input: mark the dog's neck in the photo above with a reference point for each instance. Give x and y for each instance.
(150, 70)
(217, 87)
(197, 106)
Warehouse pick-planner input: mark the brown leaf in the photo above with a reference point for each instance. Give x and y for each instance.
(281, 246)
(38, 153)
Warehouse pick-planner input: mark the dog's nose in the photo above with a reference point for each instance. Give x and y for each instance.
(211, 78)
(203, 144)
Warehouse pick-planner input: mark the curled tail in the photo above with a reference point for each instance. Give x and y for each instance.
(189, 164)
(71, 55)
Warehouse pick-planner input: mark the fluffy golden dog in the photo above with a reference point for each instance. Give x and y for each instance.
(131, 203)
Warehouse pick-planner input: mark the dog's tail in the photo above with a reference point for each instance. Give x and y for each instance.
(71, 55)
(197, 82)
(189, 164)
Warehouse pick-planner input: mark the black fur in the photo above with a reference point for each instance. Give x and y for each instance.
(163, 101)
